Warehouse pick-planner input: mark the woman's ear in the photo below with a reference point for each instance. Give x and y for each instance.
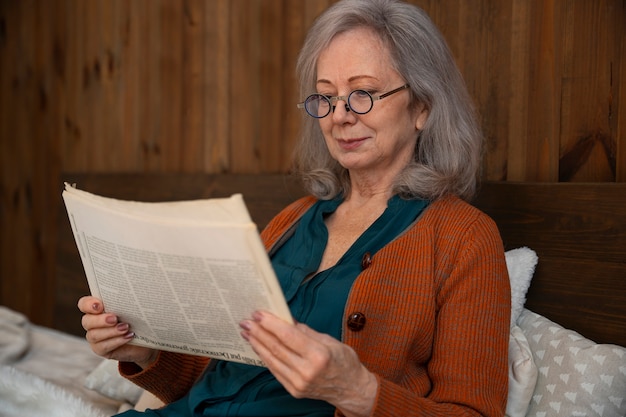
(421, 115)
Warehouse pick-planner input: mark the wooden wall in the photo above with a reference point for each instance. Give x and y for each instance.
(208, 86)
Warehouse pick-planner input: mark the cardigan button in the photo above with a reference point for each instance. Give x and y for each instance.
(356, 321)
(366, 261)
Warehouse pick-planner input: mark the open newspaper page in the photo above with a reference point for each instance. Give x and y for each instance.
(182, 274)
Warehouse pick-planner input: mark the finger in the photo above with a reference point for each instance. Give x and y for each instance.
(90, 305)
(287, 351)
(94, 321)
(281, 362)
(264, 341)
(100, 334)
(116, 348)
(298, 338)
(105, 340)
(272, 331)
(297, 371)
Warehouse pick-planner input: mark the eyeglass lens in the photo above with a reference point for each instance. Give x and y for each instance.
(318, 105)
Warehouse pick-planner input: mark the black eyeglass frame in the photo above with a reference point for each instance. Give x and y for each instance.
(334, 99)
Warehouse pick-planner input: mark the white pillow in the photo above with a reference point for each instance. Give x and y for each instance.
(522, 374)
(107, 380)
(521, 264)
(577, 377)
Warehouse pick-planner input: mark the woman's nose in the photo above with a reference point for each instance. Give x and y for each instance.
(347, 107)
(341, 113)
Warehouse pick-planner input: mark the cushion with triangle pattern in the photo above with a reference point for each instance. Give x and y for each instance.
(577, 377)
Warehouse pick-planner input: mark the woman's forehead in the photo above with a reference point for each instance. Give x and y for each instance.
(357, 53)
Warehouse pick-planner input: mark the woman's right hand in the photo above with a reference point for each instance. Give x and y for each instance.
(109, 338)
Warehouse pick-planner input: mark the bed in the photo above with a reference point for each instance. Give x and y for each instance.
(566, 253)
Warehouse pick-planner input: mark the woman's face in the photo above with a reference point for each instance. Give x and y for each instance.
(382, 141)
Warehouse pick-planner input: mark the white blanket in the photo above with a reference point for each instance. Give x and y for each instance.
(26, 395)
(43, 372)
(14, 335)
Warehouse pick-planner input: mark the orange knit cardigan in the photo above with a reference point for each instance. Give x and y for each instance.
(436, 302)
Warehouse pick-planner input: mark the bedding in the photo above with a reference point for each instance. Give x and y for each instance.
(23, 394)
(554, 371)
(42, 372)
(523, 374)
(577, 377)
(520, 263)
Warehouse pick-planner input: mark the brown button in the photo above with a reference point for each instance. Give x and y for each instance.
(356, 321)
(366, 261)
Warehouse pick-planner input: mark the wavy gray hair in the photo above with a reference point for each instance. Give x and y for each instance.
(447, 156)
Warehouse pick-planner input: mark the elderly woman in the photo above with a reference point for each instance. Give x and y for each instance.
(398, 285)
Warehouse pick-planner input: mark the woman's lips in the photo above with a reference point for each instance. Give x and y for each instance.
(350, 144)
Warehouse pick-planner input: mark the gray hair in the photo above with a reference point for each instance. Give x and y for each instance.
(448, 151)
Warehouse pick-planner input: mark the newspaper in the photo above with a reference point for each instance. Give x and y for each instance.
(182, 274)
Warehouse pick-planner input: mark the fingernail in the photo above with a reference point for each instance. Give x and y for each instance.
(245, 324)
(129, 335)
(122, 327)
(111, 319)
(95, 306)
(257, 316)
(246, 336)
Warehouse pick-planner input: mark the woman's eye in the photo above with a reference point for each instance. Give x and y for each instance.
(363, 93)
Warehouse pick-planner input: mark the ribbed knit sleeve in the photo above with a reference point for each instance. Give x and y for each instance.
(170, 377)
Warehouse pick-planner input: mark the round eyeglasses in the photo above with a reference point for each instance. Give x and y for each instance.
(359, 101)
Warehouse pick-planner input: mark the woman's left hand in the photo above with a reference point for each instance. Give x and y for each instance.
(311, 364)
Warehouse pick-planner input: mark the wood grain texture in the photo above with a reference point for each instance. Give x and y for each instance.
(579, 234)
(168, 86)
(216, 93)
(588, 144)
(210, 86)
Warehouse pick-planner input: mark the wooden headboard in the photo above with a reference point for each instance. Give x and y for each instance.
(579, 234)
(577, 230)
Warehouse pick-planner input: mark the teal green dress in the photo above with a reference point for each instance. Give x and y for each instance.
(234, 389)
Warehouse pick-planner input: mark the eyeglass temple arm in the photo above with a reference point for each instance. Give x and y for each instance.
(345, 98)
(388, 93)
